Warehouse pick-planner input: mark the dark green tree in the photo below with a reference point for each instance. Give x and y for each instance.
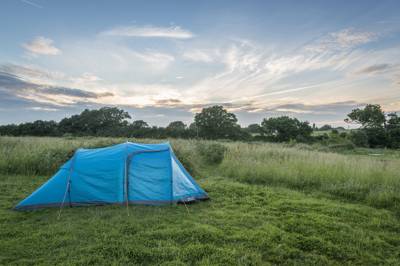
(176, 129)
(373, 122)
(139, 124)
(216, 123)
(255, 129)
(285, 128)
(105, 121)
(393, 130)
(371, 116)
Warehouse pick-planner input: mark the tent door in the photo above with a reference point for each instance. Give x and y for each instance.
(149, 177)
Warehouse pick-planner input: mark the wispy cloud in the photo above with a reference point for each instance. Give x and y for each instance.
(174, 32)
(198, 55)
(318, 109)
(31, 3)
(33, 74)
(41, 46)
(343, 39)
(157, 59)
(39, 108)
(378, 68)
(56, 95)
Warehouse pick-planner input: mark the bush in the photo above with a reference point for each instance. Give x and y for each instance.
(376, 136)
(211, 153)
(346, 145)
(359, 138)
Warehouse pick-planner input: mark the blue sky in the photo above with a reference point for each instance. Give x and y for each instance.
(165, 60)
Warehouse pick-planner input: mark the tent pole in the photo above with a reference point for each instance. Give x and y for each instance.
(187, 209)
(126, 185)
(62, 203)
(68, 188)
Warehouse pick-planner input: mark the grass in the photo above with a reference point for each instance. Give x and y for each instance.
(374, 181)
(270, 204)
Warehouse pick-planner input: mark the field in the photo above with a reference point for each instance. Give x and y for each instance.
(270, 204)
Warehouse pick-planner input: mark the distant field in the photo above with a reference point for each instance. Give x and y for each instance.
(270, 204)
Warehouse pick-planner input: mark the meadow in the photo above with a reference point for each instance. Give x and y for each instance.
(270, 203)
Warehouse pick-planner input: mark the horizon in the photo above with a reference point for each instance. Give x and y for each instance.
(163, 62)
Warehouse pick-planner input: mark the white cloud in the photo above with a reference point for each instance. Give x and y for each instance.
(38, 108)
(31, 3)
(86, 78)
(200, 55)
(157, 59)
(41, 46)
(240, 74)
(349, 37)
(344, 39)
(175, 32)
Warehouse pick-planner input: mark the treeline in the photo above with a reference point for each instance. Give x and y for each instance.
(211, 123)
(377, 128)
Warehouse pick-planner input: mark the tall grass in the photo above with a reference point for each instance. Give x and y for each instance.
(371, 180)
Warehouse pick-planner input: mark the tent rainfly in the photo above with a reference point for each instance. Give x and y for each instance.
(127, 173)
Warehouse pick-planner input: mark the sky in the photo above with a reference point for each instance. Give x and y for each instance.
(164, 61)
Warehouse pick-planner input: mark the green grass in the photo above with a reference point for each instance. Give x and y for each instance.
(374, 181)
(270, 204)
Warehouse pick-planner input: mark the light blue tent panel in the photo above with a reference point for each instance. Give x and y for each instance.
(124, 173)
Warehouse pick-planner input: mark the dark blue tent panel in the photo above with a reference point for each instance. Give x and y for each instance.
(120, 174)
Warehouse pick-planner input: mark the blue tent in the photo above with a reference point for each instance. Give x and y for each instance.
(120, 174)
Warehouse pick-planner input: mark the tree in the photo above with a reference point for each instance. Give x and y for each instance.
(105, 121)
(393, 130)
(216, 123)
(255, 129)
(325, 127)
(371, 116)
(176, 129)
(285, 128)
(359, 138)
(139, 124)
(373, 122)
(138, 129)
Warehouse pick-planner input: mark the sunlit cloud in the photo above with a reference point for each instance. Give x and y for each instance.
(343, 39)
(42, 93)
(38, 108)
(41, 46)
(174, 32)
(244, 76)
(198, 55)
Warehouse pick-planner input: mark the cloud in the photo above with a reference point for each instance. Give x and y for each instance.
(41, 46)
(87, 78)
(15, 86)
(174, 32)
(200, 56)
(316, 109)
(73, 92)
(343, 39)
(31, 3)
(39, 108)
(156, 59)
(168, 102)
(251, 71)
(378, 68)
(33, 74)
